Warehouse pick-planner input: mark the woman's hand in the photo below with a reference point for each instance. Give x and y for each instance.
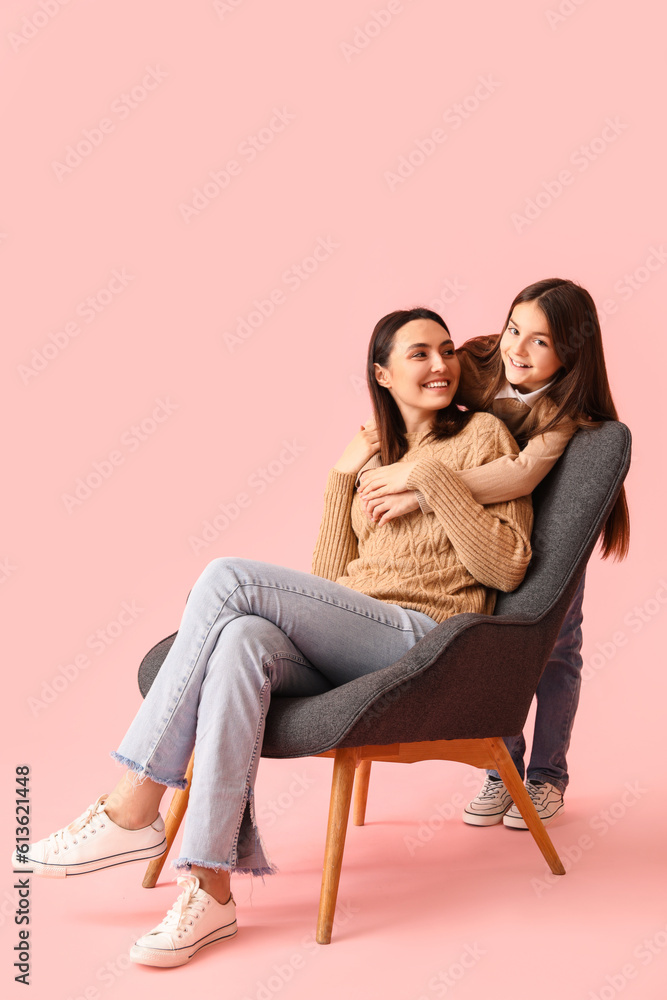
(385, 480)
(385, 509)
(362, 446)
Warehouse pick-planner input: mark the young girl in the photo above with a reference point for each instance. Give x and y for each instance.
(250, 629)
(545, 376)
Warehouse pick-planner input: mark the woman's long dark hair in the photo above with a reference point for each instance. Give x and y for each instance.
(391, 426)
(581, 391)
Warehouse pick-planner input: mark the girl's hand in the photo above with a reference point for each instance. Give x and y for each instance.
(362, 446)
(385, 480)
(385, 509)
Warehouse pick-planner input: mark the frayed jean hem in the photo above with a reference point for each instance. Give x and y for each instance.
(184, 864)
(144, 773)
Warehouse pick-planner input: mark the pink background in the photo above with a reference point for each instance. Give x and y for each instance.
(536, 93)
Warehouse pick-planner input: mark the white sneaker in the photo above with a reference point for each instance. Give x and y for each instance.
(92, 842)
(490, 805)
(194, 921)
(547, 799)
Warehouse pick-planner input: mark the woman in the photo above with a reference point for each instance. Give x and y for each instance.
(250, 629)
(545, 376)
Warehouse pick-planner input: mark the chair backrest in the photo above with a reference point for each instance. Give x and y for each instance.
(475, 675)
(570, 508)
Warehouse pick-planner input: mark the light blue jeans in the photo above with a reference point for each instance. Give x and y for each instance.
(250, 629)
(557, 700)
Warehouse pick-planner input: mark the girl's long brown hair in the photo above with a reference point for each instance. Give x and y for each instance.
(391, 426)
(581, 391)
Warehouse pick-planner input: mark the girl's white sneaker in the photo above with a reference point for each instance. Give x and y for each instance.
(194, 921)
(489, 805)
(547, 799)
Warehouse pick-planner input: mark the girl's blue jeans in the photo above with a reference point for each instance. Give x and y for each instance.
(250, 630)
(557, 699)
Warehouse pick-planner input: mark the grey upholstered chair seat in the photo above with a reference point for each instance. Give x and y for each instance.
(473, 676)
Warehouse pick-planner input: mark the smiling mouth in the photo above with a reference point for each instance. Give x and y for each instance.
(516, 364)
(436, 385)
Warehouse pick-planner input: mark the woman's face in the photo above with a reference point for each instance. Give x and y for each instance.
(422, 373)
(527, 349)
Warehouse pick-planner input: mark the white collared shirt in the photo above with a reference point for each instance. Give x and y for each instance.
(510, 391)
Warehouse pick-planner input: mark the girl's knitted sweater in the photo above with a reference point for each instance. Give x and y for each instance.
(441, 563)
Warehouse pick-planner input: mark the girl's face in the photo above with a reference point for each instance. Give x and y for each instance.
(423, 372)
(527, 349)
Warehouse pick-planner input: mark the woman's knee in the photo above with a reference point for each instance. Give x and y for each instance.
(222, 572)
(222, 564)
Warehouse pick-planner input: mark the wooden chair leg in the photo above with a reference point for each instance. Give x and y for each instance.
(361, 780)
(177, 807)
(339, 811)
(514, 785)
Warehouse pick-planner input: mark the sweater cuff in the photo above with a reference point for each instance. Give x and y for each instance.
(435, 480)
(424, 505)
(341, 482)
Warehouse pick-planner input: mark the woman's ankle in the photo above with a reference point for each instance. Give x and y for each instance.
(213, 881)
(133, 805)
(127, 818)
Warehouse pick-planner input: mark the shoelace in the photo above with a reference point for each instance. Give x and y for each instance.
(186, 906)
(92, 818)
(489, 789)
(536, 792)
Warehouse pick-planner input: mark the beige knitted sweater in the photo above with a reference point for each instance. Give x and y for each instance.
(442, 563)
